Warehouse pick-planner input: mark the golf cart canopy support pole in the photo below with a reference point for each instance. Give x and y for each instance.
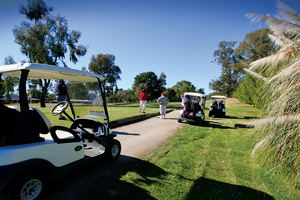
(71, 106)
(104, 100)
(22, 91)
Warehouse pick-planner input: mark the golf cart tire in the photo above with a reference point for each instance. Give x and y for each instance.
(113, 150)
(179, 120)
(23, 185)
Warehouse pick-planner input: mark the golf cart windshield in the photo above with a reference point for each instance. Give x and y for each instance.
(85, 90)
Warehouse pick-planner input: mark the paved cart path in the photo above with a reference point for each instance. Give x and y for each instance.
(144, 136)
(136, 139)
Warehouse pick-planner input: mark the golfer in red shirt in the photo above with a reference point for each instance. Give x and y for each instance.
(143, 100)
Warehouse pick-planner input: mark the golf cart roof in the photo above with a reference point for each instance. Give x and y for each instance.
(38, 71)
(194, 94)
(218, 97)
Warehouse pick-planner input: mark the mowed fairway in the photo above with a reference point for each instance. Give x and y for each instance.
(209, 162)
(116, 111)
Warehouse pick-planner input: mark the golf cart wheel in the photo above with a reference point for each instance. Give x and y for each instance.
(29, 186)
(114, 150)
(179, 120)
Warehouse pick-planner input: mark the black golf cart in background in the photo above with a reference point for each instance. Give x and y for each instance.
(217, 108)
(32, 150)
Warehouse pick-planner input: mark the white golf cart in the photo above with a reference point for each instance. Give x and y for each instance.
(193, 109)
(217, 108)
(32, 150)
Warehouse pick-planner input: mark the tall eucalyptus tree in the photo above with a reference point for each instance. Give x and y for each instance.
(46, 39)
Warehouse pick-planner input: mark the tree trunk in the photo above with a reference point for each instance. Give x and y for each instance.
(42, 101)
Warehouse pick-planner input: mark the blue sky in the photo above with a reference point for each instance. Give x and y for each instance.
(176, 37)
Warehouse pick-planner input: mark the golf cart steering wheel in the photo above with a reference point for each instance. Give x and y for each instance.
(59, 108)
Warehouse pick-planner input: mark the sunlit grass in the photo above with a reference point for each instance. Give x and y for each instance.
(116, 111)
(210, 162)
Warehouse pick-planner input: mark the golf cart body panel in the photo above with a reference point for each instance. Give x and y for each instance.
(217, 108)
(57, 154)
(193, 110)
(32, 141)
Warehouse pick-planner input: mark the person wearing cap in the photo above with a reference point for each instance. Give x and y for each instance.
(143, 100)
(163, 102)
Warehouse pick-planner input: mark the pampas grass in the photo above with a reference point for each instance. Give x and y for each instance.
(278, 134)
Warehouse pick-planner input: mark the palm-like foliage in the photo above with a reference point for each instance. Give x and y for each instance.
(279, 132)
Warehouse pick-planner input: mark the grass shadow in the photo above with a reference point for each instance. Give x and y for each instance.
(243, 126)
(102, 181)
(210, 189)
(214, 124)
(232, 117)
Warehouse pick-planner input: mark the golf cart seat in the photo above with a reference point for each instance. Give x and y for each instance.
(25, 127)
(6, 123)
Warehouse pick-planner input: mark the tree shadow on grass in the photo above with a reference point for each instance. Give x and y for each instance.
(103, 181)
(214, 124)
(210, 189)
(243, 126)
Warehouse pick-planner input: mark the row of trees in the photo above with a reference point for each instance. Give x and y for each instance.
(153, 86)
(47, 39)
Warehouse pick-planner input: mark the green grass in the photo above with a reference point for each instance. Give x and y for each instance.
(209, 162)
(116, 111)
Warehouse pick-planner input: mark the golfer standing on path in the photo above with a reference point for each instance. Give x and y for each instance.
(163, 102)
(143, 100)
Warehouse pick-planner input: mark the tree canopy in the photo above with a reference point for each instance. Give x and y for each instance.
(35, 9)
(8, 83)
(151, 83)
(229, 79)
(182, 87)
(256, 45)
(47, 40)
(104, 64)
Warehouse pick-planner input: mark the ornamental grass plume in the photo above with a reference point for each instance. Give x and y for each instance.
(278, 134)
